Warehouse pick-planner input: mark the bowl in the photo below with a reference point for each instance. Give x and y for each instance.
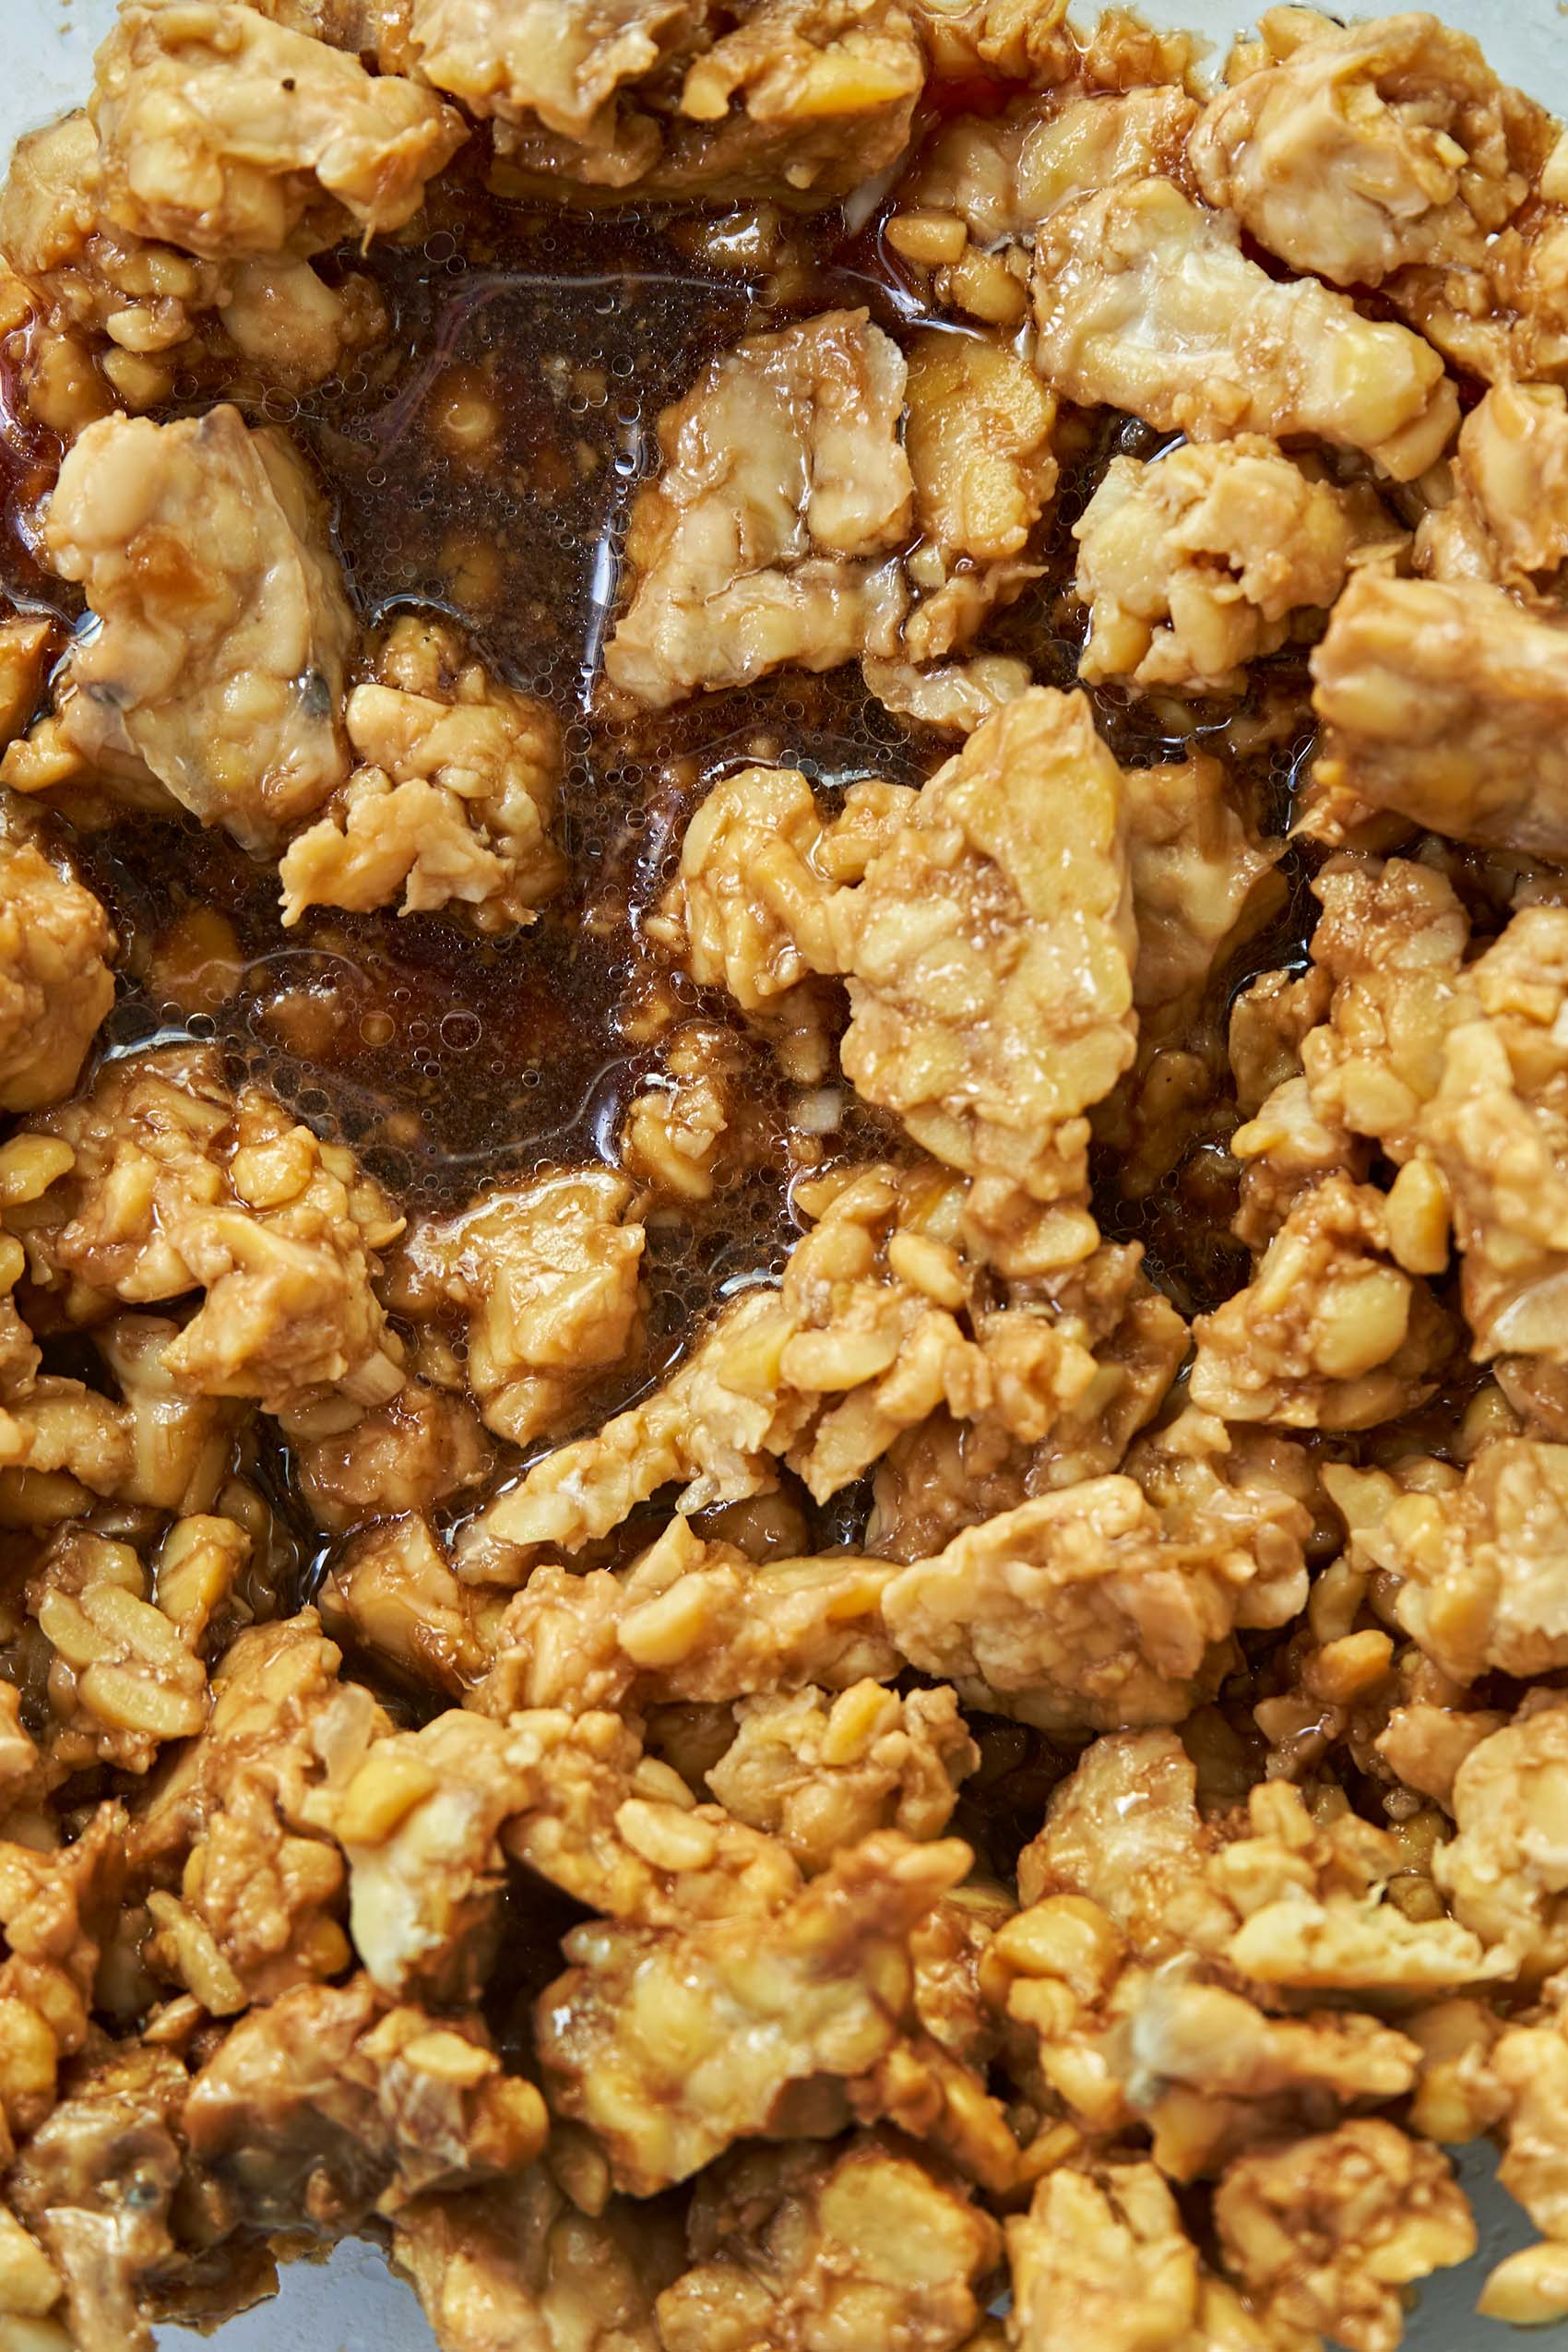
(352, 2302)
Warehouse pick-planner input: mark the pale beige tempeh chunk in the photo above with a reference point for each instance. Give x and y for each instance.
(1351, 151)
(670, 2044)
(545, 1274)
(55, 984)
(117, 313)
(563, 62)
(226, 133)
(225, 631)
(1506, 1872)
(770, 535)
(1102, 2263)
(862, 1342)
(988, 954)
(793, 100)
(452, 797)
(1478, 1556)
(168, 1183)
(1088, 1609)
(1325, 2233)
(514, 2255)
(1443, 703)
(690, 1621)
(986, 937)
(1144, 301)
(859, 2241)
(1507, 518)
(1496, 1132)
(979, 436)
(1277, 1898)
(820, 1774)
(710, 1430)
(1193, 567)
(1331, 1333)
(1389, 154)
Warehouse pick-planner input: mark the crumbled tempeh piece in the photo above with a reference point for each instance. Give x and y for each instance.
(96, 2184)
(1147, 302)
(1323, 2234)
(1496, 1134)
(25, 643)
(1329, 1334)
(224, 632)
(393, 1591)
(673, 1132)
(173, 1186)
(181, 1442)
(820, 1775)
(799, 100)
(711, 1430)
(1026, 40)
(124, 1677)
(758, 864)
(259, 1894)
(1123, 1829)
(1526, 2068)
(1102, 2263)
(669, 2044)
(1442, 703)
(1424, 1744)
(988, 953)
(423, 1818)
(690, 1620)
(1352, 151)
(1507, 519)
(226, 133)
(1209, 2072)
(419, 1450)
(111, 305)
(57, 1911)
(868, 1320)
(1203, 882)
(1281, 1899)
(998, 176)
(514, 2263)
(1100, 1347)
(55, 984)
(1085, 1610)
(565, 66)
(978, 437)
(957, 696)
(1506, 1872)
(1391, 939)
(621, 1833)
(804, 2245)
(1388, 154)
(1312, 1897)
(418, 1819)
(1269, 1021)
(328, 2103)
(1193, 567)
(30, 2286)
(546, 1274)
(452, 800)
(767, 537)
(862, 1341)
(1212, 2073)
(1479, 1560)
(1286, 1153)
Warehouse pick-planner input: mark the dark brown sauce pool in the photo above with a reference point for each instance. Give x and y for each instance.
(450, 1062)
